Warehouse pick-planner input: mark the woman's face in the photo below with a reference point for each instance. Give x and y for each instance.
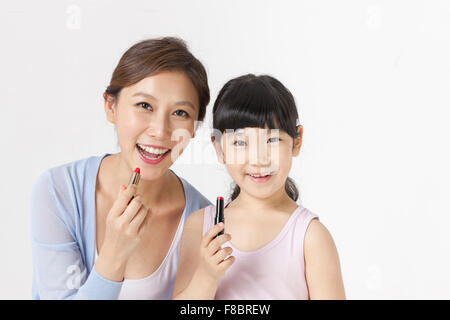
(259, 160)
(154, 121)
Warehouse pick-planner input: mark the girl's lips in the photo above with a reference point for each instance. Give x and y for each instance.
(260, 180)
(151, 161)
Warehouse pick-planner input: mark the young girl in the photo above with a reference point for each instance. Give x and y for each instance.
(280, 249)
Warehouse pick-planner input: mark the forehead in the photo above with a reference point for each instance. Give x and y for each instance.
(172, 85)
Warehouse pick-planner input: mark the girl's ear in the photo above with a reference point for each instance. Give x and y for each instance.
(297, 141)
(110, 108)
(218, 148)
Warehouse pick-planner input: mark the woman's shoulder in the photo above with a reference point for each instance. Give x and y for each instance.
(71, 170)
(197, 216)
(66, 183)
(195, 199)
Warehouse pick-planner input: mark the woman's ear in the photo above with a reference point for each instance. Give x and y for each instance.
(297, 141)
(110, 108)
(218, 148)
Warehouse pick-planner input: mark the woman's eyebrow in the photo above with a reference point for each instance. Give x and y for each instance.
(143, 94)
(179, 103)
(185, 103)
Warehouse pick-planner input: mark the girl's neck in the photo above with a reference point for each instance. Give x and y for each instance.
(277, 200)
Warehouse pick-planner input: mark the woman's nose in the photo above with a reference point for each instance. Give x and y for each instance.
(158, 127)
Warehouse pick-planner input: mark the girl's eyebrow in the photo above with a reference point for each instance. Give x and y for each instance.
(239, 133)
(178, 103)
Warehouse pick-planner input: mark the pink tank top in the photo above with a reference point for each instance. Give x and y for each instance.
(275, 271)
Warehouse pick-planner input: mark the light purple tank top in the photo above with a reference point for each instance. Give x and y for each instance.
(275, 271)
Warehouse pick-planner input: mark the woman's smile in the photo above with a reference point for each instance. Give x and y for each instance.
(152, 155)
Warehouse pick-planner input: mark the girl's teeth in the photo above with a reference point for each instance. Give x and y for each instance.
(259, 176)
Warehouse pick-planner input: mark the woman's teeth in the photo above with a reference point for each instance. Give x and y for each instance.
(152, 153)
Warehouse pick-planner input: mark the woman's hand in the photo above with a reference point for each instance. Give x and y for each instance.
(213, 258)
(123, 234)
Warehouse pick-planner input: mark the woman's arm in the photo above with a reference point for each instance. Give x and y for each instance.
(59, 271)
(322, 267)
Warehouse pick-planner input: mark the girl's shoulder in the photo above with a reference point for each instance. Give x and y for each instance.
(318, 239)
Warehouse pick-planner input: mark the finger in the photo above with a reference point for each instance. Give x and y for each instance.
(123, 199)
(121, 189)
(225, 264)
(216, 244)
(132, 209)
(138, 219)
(211, 234)
(222, 254)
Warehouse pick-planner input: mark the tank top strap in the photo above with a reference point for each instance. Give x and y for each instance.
(302, 222)
(208, 218)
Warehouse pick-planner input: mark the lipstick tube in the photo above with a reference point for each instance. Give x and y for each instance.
(135, 179)
(219, 214)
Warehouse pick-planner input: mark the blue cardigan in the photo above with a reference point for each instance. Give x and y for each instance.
(63, 232)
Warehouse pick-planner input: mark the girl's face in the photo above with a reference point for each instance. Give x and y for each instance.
(259, 160)
(154, 120)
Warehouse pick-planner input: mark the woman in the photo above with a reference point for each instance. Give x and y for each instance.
(92, 236)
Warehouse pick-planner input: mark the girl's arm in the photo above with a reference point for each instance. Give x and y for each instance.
(202, 263)
(322, 267)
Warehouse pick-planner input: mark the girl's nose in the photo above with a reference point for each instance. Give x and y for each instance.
(259, 156)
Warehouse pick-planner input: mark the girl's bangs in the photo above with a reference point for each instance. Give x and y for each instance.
(257, 108)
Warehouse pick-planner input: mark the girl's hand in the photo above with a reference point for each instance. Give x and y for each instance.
(123, 234)
(213, 259)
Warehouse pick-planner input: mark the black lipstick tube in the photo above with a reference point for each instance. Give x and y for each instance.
(219, 214)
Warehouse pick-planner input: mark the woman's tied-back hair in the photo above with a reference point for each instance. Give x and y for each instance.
(152, 56)
(256, 101)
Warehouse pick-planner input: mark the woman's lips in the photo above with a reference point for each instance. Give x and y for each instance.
(147, 158)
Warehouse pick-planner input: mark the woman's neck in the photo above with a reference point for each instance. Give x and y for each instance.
(117, 172)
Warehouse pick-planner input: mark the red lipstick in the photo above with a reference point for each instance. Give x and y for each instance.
(135, 179)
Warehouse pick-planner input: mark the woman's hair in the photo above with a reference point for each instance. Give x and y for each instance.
(152, 56)
(256, 101)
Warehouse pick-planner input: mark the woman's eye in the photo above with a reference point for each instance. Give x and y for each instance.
(182, 113)
(239, 143)
(275, 139)
(144, 105)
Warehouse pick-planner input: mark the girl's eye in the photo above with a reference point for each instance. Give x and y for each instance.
(239, 143)
(274, 139)
(144, 105)
(182, 113)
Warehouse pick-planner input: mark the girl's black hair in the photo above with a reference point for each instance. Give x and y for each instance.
(256, 101)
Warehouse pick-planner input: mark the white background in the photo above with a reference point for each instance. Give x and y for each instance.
(371, 80)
